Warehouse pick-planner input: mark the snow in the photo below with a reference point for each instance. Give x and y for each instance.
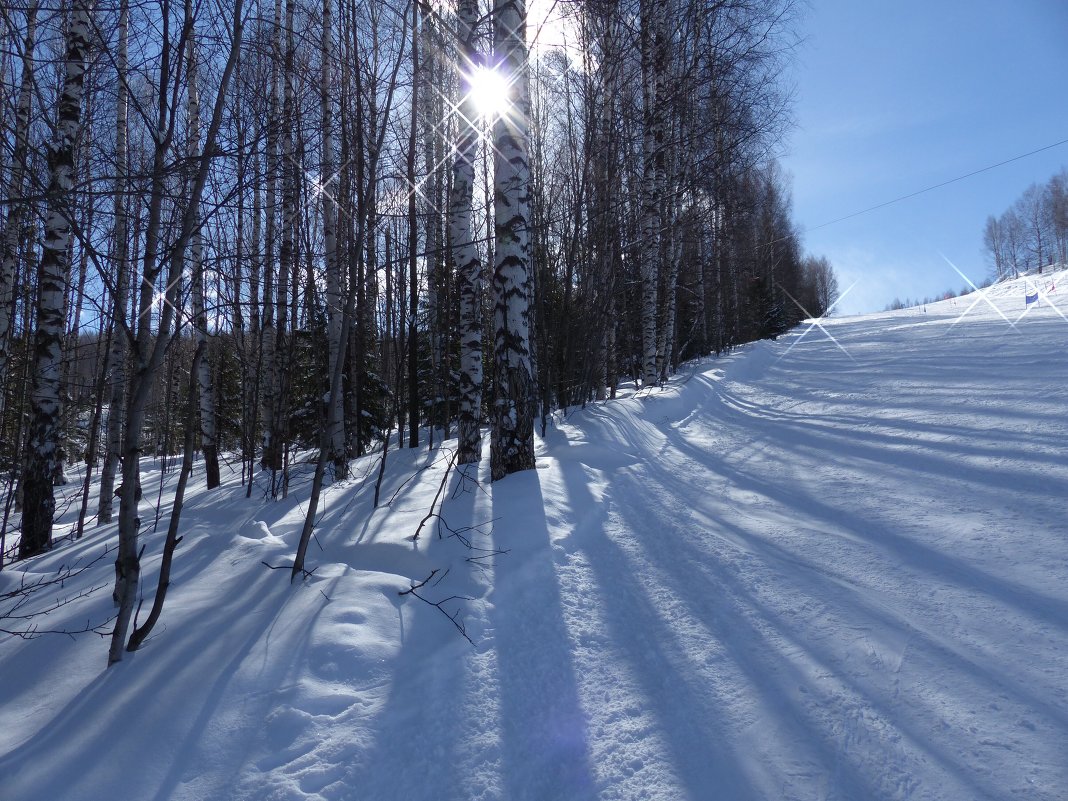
(812, 569)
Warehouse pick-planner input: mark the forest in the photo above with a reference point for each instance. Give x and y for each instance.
(1032, 234)
(262, 233)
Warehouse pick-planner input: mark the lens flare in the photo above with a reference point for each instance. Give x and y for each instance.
(490, 92)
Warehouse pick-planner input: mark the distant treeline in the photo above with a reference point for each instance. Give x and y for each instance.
(908, 303)
(1032, 234)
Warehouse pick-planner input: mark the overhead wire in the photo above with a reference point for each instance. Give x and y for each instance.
(936, 186)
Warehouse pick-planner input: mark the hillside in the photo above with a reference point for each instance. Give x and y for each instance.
(814, 568)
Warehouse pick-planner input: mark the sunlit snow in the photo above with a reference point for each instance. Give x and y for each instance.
(802, 576)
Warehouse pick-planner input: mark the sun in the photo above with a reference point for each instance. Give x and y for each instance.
(490, 92)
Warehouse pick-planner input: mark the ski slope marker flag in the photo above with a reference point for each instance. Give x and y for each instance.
(1029, 299)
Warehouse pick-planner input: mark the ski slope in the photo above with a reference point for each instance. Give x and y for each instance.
(829, 567)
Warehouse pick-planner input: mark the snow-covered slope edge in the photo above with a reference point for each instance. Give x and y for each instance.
(811, 569)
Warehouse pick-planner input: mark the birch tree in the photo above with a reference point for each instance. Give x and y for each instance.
(466, 264)
(993, 241)
(605, 193)
(1058, 198)
(205, 387)
(52, 278)
(287, 253)
(435, 87)
(512, 441)
(1033, 208)
(327, 188)
(117, 353)
(413, 238)
(9, 243)
(272, 452)
(150, 347)
(652, 68)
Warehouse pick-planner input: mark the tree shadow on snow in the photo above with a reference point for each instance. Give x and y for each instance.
(544, 729)
(167, 732)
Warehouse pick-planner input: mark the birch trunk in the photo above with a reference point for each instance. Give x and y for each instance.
(53, 276)
(651, 223)
(117, 353)
(431, 88)
(466, 264)
(128, 561)
(16, 208)
(603, 223)
(272, 454)
(246, 251)
(699, 301)
(335, 414)
(512, 441)
(151, 350)
(205, 388)
(671, 255)
(141, 632)
(287, 252)
(360, 235)
(413, 245)
(666, 341)
(74, 302)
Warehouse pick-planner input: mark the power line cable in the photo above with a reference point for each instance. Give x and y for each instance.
(936, 186)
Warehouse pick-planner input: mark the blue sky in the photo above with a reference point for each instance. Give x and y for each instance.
(893, 97)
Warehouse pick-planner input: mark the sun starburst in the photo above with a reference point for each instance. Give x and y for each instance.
(981, 296)
(814, 322)
(490, 92)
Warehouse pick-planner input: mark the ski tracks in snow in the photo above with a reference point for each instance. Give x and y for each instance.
(792, 575)
(789, 587)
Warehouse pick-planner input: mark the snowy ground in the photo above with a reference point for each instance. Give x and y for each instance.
(805, 571)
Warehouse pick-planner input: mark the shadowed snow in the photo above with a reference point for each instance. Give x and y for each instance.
(790, 574)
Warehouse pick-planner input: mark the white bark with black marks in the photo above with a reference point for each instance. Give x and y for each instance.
(52, 277)
(652, 58)
(117, 353)
(205, 386)
(152, 347)
(465, 261)
(271, 451)
(512, 441)
(9, 240)
(287, 255)
(335, 401)
(413, 237)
